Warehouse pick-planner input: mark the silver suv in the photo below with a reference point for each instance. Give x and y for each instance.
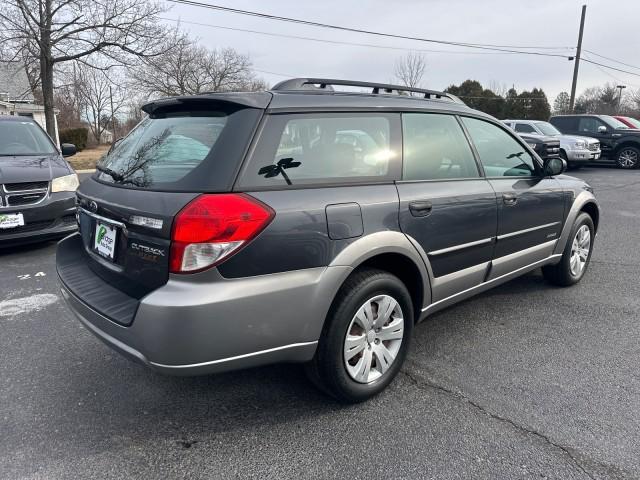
(574, 150)
(306, 225)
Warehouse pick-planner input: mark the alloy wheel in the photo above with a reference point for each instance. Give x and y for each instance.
(628, 158)
(580, 250)
(373, 339)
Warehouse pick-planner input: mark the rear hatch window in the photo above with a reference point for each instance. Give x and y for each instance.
(181, 151)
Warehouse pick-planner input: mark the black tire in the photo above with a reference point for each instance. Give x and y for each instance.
(561, 274)
(570, 165)
(327, 370)
(628, 158)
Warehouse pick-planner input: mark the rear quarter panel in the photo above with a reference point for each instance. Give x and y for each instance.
(298, 236)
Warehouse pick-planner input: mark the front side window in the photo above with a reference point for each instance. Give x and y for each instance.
(589, 125)
(24, 138)
(308, 149)
(525, 128)
(435, 148)
(501, 154)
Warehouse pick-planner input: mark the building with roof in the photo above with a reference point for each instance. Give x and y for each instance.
(16, 96)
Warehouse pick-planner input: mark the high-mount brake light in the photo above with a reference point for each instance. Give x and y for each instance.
(214, 226)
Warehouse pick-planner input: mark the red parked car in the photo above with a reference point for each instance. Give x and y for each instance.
(629, 121)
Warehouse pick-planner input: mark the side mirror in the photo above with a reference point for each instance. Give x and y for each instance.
(602, 129)
(554, 166)
(68, 149)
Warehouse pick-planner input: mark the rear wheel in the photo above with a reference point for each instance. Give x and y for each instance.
(365, 338)
(576, 255)
(628, 157)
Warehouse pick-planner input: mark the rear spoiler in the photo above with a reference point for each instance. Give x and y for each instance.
(249, 100)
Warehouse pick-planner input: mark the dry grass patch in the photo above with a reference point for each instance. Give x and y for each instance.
(87, 159)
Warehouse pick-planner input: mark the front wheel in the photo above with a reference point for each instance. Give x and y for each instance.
(576, 256)
(365, 338)
(628, 157)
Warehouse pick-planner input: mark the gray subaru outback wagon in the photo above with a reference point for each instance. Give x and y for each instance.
(304, 224)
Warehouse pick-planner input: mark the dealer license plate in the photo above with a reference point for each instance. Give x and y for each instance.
(104, 241)
(11, 220)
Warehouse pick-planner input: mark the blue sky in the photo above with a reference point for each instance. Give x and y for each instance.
(611, 30)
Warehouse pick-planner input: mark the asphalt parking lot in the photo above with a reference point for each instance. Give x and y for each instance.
(524, 381)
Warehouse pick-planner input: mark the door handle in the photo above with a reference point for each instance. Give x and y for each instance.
(421, 208)
(509, 199)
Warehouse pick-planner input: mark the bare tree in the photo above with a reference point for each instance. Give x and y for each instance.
(602, 100)
(189, 68)
(50, 32)
(97, 91)
(410, 69)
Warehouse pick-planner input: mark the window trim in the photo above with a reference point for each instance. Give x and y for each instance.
(537, 161)
(481, 174)
(395, 167)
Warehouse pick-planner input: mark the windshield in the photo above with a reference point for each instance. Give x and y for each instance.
(24, 138)
(633, 121)
(547, 129)
(162, 150)
(614, 122)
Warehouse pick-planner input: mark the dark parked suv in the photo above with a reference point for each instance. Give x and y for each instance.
(303, 224)
(619, 143)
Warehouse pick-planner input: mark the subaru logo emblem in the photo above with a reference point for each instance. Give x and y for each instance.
(93, 206)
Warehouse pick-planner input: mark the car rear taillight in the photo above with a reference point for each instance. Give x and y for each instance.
(212, 227)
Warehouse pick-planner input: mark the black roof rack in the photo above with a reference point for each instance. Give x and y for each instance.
(376, 88)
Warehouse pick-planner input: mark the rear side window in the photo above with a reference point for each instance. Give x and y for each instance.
(565, 124)
(324, 148)
(435, 148)
(524, 128)
(501, 155)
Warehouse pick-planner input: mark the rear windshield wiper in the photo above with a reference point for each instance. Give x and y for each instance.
(117, 177)
(279, 168)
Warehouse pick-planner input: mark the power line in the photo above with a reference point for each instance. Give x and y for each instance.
(616, 78)
(611, 59)
(611, 68)
(492, 47)
(338, 42)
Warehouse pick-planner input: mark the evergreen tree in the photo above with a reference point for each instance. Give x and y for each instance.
(536, 105)
(475, 96)
(513, 107)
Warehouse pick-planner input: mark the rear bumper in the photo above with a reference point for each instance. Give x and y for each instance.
(203, 323)
(51, 219)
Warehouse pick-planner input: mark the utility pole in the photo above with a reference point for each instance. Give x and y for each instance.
(620, 87)
(113, 118)
(576, 65)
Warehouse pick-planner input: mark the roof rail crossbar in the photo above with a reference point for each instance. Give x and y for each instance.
(376, 88)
